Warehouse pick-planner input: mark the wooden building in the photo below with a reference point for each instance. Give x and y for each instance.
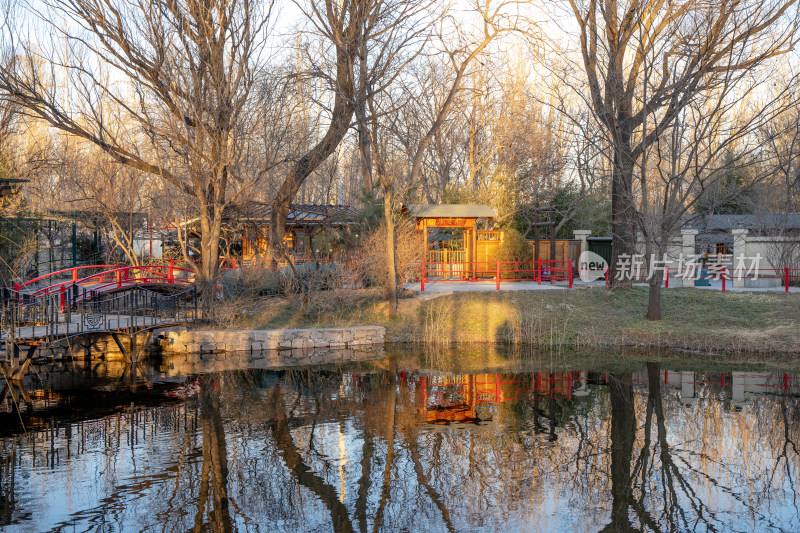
(468, 247)
(305, 222)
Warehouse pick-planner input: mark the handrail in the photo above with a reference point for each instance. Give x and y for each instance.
(109, 269)
(114, 277)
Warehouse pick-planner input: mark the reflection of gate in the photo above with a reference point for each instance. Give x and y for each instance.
(447, 263)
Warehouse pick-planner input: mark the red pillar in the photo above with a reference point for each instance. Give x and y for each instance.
(497, 273)
(570, 273)
(787, 279)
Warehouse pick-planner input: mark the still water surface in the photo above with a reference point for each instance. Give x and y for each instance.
(391, 445)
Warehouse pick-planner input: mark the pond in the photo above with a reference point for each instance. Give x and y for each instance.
(408, 443)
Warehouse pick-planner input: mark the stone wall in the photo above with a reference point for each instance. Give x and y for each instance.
(182, 364)
(255, 341)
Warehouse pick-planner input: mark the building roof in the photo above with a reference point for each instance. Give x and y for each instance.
(299, 214)
(757, 222)
(451, 211)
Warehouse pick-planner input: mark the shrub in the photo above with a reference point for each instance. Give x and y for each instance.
(515, 248)
(251, 283)
(370, 257)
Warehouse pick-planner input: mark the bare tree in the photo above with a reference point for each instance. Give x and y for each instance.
(715, 133)
(645, 61)
(187, 68)
(397, 142)
(365, 42)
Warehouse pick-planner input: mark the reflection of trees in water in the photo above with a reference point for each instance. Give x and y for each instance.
(213, 498)
(7, 494)
(660, 462)
(302, 450)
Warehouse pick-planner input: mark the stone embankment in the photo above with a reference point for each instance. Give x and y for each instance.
(254, 341)
(184, 364)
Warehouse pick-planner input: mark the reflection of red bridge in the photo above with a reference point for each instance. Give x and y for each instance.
(100, 279)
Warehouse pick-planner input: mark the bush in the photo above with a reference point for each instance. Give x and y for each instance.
(515, 248)
(370, 258)
(312, 277)
(251, 283)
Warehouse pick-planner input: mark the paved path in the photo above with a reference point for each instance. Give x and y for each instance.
(486, 286)
(491, 286)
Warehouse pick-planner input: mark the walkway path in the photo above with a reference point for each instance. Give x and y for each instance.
(491, 286)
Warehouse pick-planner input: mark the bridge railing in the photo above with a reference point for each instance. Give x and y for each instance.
(101, 278)
(61, 315)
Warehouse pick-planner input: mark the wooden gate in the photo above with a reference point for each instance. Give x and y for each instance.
(566, 249)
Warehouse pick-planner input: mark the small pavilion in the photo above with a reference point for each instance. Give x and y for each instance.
(475, 247)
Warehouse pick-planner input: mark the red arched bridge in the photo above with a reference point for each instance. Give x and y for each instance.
(99, 279)
(79, 304)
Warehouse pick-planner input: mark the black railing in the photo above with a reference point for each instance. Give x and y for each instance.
(75, 311)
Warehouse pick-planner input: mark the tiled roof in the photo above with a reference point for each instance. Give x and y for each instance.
(757, 223)
(298, 213)
(451, 211)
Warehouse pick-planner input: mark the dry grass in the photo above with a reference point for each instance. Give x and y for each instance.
(702, 321)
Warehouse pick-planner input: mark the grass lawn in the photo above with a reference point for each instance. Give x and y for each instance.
(706, 321)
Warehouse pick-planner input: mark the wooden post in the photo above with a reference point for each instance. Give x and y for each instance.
(666, 277)
(170, 274)
(422, 277)
(787, 280)
(723, 279)
(497, 273)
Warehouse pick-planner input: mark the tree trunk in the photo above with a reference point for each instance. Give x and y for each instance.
(207, 272)
(341, 116)
(623, 229)
(391, 253)
(654, 285)
(654, 300)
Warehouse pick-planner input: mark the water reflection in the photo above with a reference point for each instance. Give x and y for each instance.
(385, 446)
